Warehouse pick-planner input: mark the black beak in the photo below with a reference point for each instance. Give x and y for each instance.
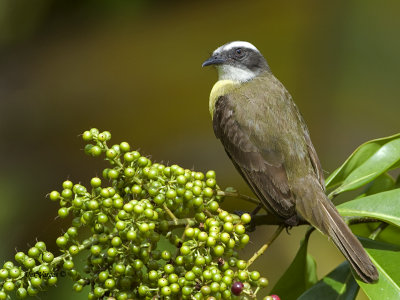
(213, 60)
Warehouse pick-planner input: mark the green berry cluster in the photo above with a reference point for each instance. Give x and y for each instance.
(33, 272)
(157, 232)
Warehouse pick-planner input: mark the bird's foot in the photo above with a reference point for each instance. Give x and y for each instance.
(291, 222)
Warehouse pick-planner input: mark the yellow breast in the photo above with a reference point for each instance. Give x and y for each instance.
(220, 88)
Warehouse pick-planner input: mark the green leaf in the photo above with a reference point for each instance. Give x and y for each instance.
(300, 275)
(337, 285)
(386, 258)
(391, 235)
(379, 206)
(366, 163)
(385, 182)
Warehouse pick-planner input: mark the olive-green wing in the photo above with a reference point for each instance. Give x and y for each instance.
(310, 147)
(263, 169)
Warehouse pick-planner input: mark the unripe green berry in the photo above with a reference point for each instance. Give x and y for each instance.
(143, 227)
(109, 283)
(113, 174)
(68, 265)
(32, 291)
(211, 182)
(219, 250)
(95, 151)
(8, 286)
(131, 235)
(77, 287)
(185, 250)
(67, 184)
(116, 241)
(36, 281)
(166, 291)
(142, 161)
(41, 245)
(240, 229)
(190, 276)
(29, 262)
(106, 135)
(124, 146)
(175, 288)
(243, 275)
(20, 257)
(263, 282)
(120, 225)
(241, 264)
(52, 281)
(98, 291)
(66, 193)
(210, 174)
(119, 268)
(14, 272)
(95, 182)
(186, 290)
(153, 275)
(63, 212)
(255, 275)
(22, 293)
(162, 282)
(205, 290)
(245, 218)
(143, 290)
(3, 273)
(87, 136)
(34, 252)
(8, 265)
(189, 232)
(170, 194)
(112, 252)
(54, 196)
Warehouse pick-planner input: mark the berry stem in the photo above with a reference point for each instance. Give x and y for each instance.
(169, 212)
(182, 222)
(238, 195)
(265, 246)
(378, 230)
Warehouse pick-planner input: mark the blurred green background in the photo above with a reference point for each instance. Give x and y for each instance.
(134, 68)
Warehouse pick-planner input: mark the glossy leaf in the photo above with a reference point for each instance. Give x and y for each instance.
(383, 183)
(366, 163)
(381, 206)
(391, 235)
(300, 275)
(386, 258)
(337, 285)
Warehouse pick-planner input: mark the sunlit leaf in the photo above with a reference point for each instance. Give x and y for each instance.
(384, 182)
(300, 275)
(379, 206)
(369, 159)
(365, 229)
(391, 235)
(386, 258)
(337, 285)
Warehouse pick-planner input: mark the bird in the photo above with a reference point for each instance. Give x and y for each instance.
(267, 139)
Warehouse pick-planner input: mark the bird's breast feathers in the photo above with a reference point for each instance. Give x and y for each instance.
(221, 88)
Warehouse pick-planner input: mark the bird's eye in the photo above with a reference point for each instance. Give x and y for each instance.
(239, 51)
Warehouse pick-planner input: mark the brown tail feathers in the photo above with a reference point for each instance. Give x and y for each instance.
(349, 245)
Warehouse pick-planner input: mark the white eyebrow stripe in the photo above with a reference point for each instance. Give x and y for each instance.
(235, 44)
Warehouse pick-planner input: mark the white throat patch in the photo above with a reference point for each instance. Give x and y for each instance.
(236, 74)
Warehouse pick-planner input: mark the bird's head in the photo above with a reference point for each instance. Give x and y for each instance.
(237, 61)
